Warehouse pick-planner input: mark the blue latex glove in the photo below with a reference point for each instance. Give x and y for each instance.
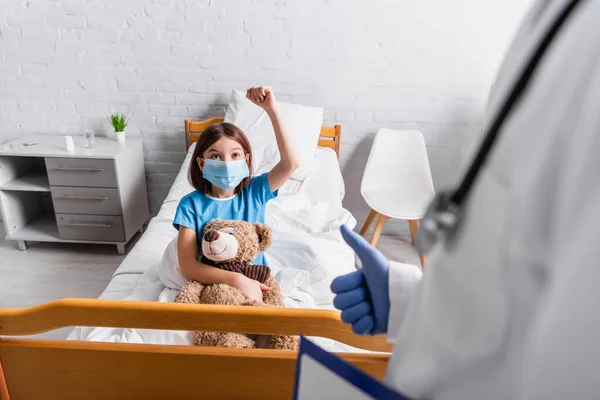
(363, 296)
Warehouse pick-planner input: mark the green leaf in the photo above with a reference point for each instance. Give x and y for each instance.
(119, 121)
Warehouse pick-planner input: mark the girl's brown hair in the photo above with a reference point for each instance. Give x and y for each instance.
(207, 139)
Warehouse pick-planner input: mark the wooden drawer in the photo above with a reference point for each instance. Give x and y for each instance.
(81, 172)
(79, 200)
(90, 227)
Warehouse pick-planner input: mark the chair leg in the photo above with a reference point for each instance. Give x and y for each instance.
(3, 387)
(378, 228)
(422, 258)
(414, 227)
(368, 222)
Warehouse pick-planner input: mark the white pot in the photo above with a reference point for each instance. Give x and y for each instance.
(120, 137)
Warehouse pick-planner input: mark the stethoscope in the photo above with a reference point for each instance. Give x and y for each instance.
(445, 211)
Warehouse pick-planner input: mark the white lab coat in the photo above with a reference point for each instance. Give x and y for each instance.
(511, 309)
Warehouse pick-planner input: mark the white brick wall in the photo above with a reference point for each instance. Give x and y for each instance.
(424, 64)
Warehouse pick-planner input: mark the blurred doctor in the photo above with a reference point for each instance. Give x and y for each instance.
(509, 307)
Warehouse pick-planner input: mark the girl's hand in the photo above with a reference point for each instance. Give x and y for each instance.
(250, 288)
(262, 96)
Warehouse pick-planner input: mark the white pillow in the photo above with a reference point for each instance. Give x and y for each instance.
(302, 122)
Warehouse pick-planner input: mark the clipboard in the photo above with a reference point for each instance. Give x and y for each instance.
(323, 375)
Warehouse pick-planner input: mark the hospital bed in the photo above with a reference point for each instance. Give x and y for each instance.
(51, 369)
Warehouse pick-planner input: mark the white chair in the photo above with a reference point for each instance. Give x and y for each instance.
(397, 181)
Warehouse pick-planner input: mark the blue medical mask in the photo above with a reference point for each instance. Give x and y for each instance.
(225, 174)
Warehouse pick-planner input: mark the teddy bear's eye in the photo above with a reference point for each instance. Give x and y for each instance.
(230, 231)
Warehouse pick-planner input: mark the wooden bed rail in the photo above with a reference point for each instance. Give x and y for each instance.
(59, 369)
(170, 316)
(329, 137)
(39, 369)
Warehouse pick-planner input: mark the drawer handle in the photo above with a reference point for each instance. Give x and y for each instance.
(88, 225)
(82, 198)
(79, 169)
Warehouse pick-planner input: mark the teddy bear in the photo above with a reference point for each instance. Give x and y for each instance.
(232, 245)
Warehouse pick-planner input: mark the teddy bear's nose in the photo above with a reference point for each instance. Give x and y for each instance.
(211, 236)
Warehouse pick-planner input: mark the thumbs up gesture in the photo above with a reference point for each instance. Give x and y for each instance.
(363, 296)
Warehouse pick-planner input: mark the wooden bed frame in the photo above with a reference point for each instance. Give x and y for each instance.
(60, 369)
(329, 138)
(32, 368)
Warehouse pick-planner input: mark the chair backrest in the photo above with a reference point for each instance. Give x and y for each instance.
(398, 159)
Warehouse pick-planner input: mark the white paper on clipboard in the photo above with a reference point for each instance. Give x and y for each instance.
(322, 375)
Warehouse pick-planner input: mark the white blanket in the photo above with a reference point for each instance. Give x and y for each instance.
(307, 254)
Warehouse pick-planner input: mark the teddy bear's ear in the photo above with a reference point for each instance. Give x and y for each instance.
(264, 236)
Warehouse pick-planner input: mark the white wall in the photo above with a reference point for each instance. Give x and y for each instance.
(424, 64)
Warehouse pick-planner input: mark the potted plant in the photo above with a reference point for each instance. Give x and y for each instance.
(119, 122)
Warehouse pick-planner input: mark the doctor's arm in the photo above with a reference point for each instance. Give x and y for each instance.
(264, 97)
(562, 359)
(404, 280)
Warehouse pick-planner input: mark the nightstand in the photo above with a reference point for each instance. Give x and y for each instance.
(90, 195)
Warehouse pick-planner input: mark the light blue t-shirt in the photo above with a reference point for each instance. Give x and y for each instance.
(197, 209)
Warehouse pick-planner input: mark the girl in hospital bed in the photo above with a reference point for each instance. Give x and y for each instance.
(221, 172)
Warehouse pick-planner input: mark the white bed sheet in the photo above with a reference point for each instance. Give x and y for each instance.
(324, 184)
(301, 240)
(120, 286)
